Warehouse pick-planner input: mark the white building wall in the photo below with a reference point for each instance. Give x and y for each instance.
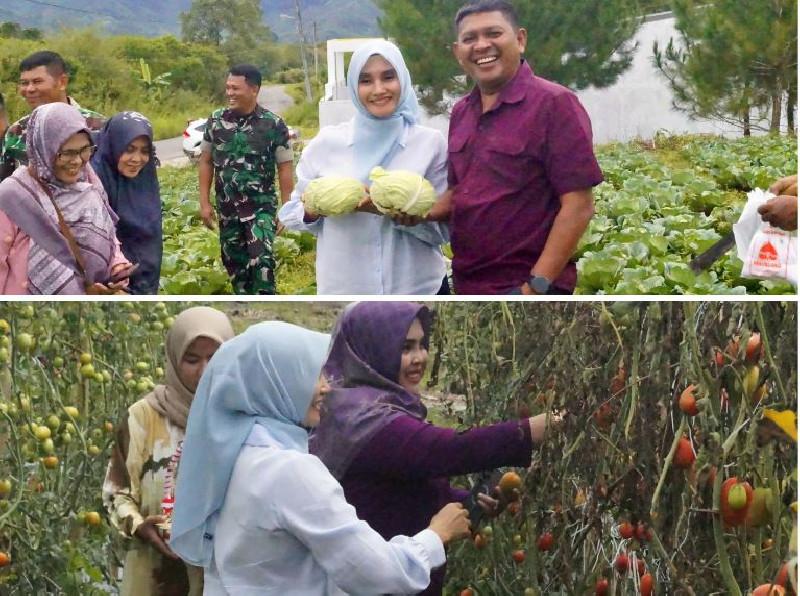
(639, 104)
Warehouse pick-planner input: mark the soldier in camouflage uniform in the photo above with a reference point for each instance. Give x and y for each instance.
(43, 79)
(242, 146)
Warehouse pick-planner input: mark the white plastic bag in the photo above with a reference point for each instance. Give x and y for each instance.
(767, 252)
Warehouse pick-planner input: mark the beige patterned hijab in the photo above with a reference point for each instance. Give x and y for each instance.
(173, 398)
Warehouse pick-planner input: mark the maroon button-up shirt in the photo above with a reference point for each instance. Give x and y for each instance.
(508, 168)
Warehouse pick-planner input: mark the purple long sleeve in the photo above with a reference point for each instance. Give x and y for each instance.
(407, 448)
(400, 480)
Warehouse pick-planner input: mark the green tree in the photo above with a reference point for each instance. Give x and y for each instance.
(13, 30)
(236, 27)
(730, 61)
(577, 44)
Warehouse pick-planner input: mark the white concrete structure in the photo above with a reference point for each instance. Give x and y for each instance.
(639, 104)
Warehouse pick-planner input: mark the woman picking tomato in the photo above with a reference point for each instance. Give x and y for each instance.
(145, 450)
(259, 513)
(373, 436)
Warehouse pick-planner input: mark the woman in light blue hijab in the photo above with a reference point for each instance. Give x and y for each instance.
(365, 252)
(259, 513)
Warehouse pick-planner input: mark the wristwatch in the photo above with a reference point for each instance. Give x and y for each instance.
(539, 284)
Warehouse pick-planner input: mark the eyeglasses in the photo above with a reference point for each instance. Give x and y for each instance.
(69, 155)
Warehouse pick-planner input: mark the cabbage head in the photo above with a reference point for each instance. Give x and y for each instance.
(333, 195)
(400, 191)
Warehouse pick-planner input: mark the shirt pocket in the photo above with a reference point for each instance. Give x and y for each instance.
(458, 155)
(510, 161)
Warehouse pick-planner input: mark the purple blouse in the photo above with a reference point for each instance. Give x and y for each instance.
(508, 168)
(400, 480)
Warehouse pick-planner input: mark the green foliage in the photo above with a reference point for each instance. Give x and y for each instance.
(236, 28)
(615, 371)
(730, 61)
(597, 56)
(652, 218)
(192, 263)
(42, 518)
(12, 30)
(106, 75)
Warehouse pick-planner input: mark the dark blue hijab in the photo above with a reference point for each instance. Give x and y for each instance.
(136, 201)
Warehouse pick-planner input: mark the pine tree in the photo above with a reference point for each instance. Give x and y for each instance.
(734, 58)
(578, 44)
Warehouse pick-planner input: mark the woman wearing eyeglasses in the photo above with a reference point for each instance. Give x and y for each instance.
(57, 231)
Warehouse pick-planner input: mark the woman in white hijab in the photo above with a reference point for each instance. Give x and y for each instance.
(261, 514)
(146, 451)
(366, 252)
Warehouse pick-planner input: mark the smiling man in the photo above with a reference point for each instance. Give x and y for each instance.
(43, 79)
(521, 165)
(242, 145)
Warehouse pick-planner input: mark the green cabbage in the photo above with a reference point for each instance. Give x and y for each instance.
(333, 195)
(400, 191)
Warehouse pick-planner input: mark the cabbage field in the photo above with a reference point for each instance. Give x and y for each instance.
(662, 203)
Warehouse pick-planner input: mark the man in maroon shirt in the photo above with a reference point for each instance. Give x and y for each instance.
(521, 165)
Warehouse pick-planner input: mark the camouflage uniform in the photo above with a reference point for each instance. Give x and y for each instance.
(245, 151)
(13, 150)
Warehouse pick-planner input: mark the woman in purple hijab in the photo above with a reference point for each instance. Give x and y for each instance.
(55, 191)
(393, 465)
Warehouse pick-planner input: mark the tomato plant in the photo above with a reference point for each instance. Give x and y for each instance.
(606, 486)
(56, 434)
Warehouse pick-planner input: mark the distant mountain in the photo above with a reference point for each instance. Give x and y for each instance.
(151, 18)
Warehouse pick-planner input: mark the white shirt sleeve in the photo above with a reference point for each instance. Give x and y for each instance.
(312, 507)
(434, 233)
(292, 212)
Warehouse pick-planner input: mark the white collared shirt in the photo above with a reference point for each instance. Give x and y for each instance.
(361, 253)
(285, 528)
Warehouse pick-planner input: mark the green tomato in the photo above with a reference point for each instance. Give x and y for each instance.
(42, 432)
(47, 446)
(3, 355)
(58, 362)
(142, 366)
(72, 412)
(85, 358)
(737, 497)
(25, 342)
(87, 371)
(53, 422)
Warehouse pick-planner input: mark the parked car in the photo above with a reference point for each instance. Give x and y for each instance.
(193, 135)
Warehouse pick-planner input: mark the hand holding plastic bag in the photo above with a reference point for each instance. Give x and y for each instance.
(767, 252)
